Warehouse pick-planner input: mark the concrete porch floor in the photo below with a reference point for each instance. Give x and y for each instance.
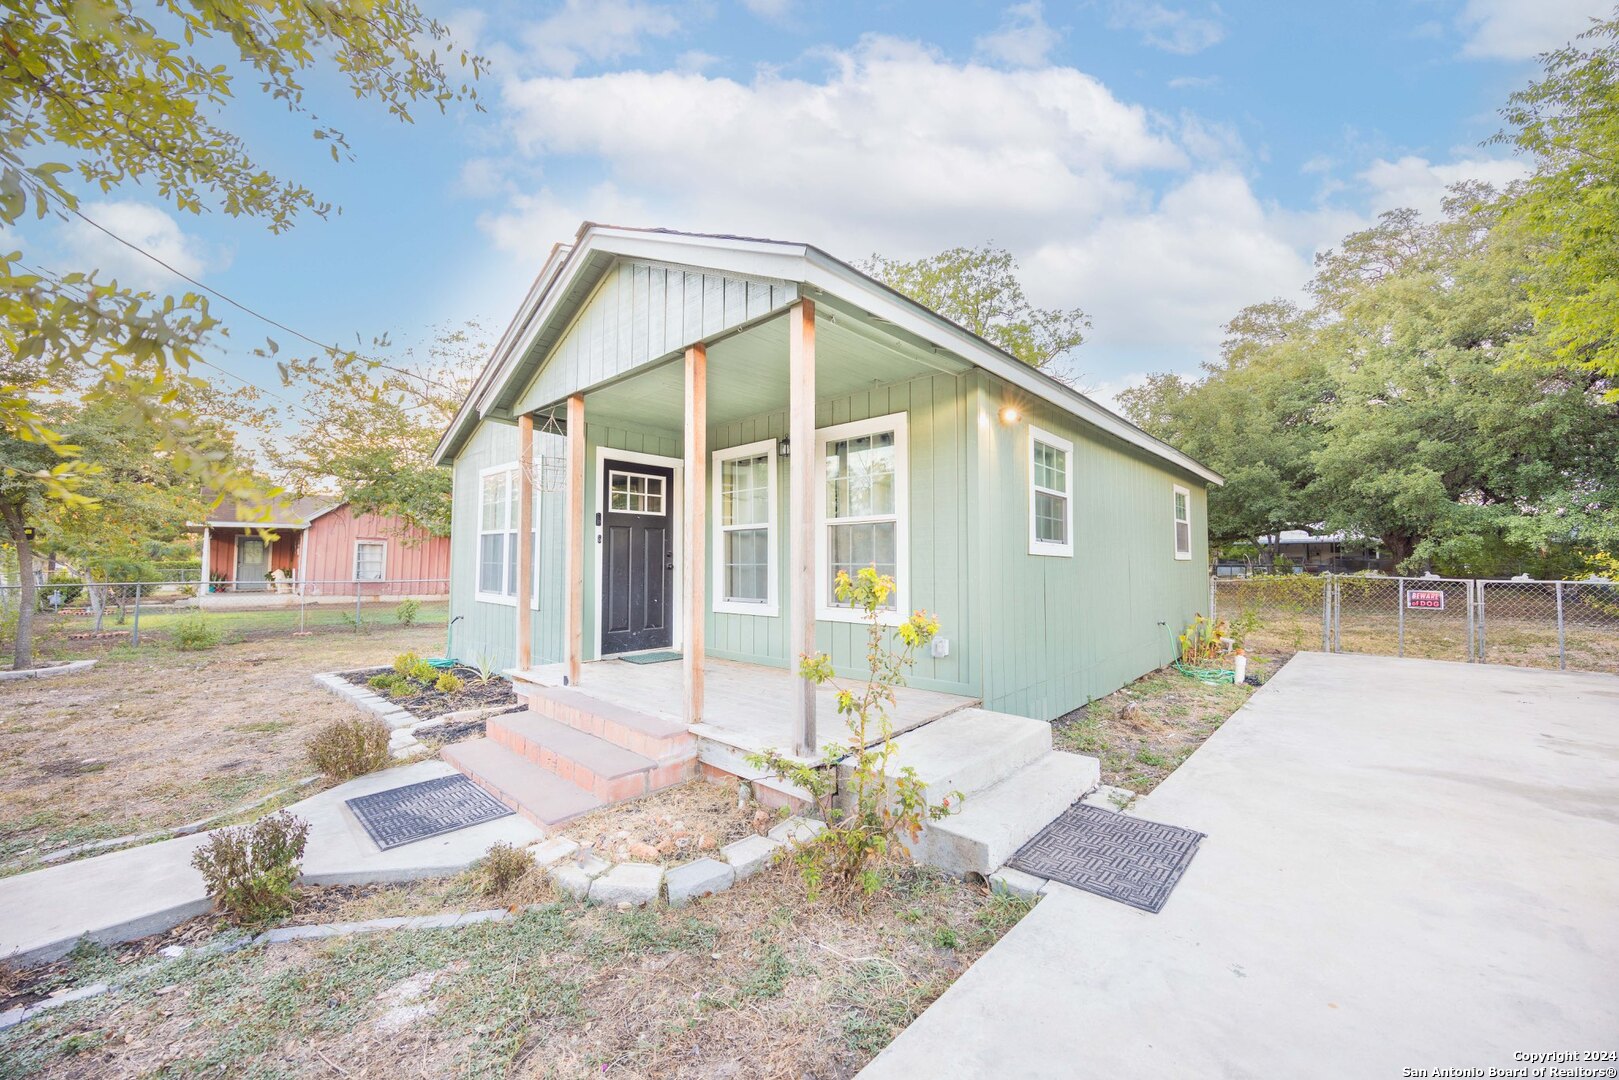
(746, 706)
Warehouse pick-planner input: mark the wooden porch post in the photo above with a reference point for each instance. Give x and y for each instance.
(525, 539)
(696, 533)
(573, 630)
(801, 511)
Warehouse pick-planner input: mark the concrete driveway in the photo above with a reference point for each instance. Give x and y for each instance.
(1410, 864)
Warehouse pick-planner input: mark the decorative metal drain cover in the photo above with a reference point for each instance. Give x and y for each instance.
(1128, 859)
(430, 808)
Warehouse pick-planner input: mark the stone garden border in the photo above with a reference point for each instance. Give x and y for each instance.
(404, 725)
(64, 668)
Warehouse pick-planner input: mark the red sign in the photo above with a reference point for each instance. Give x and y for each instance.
(1425, 599)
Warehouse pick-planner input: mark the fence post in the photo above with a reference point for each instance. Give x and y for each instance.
(1399, 602)
(1326, 612)
(1482, 648)
(135, 627)
(303, 603)
(1212, 582)
(1472, 651)
(356, 607)
(1562, 656)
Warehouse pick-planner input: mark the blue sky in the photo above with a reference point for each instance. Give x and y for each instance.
(1158, 164)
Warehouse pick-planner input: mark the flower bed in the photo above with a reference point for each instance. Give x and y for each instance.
(424, 701)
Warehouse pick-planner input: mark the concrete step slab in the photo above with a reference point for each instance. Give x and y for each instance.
(537, 794)
(967, 751)
(995, 821)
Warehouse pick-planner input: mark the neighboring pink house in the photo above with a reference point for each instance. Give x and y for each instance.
(321, 548)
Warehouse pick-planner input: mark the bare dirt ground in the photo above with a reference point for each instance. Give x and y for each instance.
(754, 982)
(1142, 732)
(154, 737)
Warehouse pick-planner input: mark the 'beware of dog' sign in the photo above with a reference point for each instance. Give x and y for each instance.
(1425, 599)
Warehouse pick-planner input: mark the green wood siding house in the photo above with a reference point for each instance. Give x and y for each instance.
(717, 424)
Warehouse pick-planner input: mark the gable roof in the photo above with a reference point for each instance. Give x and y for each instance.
(297, 513)
(564, 283)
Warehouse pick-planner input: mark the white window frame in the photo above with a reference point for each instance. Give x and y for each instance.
(663, 493)
(383, 544)
(824, 608)
(1176, 490)
(1046, 547)
(771, 607)
(509, 599)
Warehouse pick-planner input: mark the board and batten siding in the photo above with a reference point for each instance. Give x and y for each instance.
(1057, 632)
(641, 311)
(412, 553)
(937, 410)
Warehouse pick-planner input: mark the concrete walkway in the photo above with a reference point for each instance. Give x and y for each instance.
(146, 890)
(1409, 864)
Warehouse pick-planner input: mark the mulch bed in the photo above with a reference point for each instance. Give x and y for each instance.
(427, 702)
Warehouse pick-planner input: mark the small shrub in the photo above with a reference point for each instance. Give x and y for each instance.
(405, 661)
(503, 866)
(250, 871)
(423, 672)
(349, 746)
(448, 683)
(389, 683)
(407, 611)
(486, 668)
(194, 632)
(944, 937)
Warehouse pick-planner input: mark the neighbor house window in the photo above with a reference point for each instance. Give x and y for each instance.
(498, 521)
(862, 508)
(1051, 489)
(1183, 523)
(370, 559)
(745, 523)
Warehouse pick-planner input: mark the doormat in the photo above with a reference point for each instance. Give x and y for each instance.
(431, 808)
(650, 657)
(1128, 859)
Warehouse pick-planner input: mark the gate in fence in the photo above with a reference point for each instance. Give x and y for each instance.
(1567, 625)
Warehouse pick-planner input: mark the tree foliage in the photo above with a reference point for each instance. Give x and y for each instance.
(978, 289)
(1569, 209)
(368, 428)
(1389, 407)
(100, 94)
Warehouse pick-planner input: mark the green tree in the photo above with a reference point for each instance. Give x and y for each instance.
(978, 289)
(1569, 208)
(98, 94)
(369, 427)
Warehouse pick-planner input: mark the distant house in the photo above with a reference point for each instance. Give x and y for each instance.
(317, 546)
(1327, 552)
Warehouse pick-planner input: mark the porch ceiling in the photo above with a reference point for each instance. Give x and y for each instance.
(747, 374)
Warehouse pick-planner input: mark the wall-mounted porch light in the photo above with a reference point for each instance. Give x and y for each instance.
(784, 448)
(1010, 414)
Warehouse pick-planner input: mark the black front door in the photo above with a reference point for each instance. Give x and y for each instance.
(638, 557)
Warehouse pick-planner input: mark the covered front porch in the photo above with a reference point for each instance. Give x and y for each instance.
(669, 441)
(743, 704)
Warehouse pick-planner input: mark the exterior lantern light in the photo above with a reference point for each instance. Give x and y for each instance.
(1010, 415)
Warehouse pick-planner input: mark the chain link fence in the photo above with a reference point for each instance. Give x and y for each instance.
(71, 615)
(1562, 625)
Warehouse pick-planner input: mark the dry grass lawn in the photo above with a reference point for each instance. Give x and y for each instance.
(154, 737)
(754, 982)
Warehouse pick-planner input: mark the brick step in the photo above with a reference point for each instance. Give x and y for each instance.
(656, 737)
(604, 768)
(539, 795)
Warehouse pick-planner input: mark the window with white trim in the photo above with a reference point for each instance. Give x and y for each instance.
(498, 522)
(1051, 489)
(634, 493)
(862, 509)
(370, 559)
(1183, 523)
(745, 521)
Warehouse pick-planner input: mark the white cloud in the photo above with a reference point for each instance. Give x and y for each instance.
(769, 9)
(1174, 30)
(1023, 40)
(1420, 184)
(596, 30)
(148, 228)
(1520, 29)
(532, 223)
(1193, 82)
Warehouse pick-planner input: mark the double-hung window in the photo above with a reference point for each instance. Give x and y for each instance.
(862, 510)
(498, 522)
(745, 523)
(1183, 523)
(370, 560)
(1051, 494)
